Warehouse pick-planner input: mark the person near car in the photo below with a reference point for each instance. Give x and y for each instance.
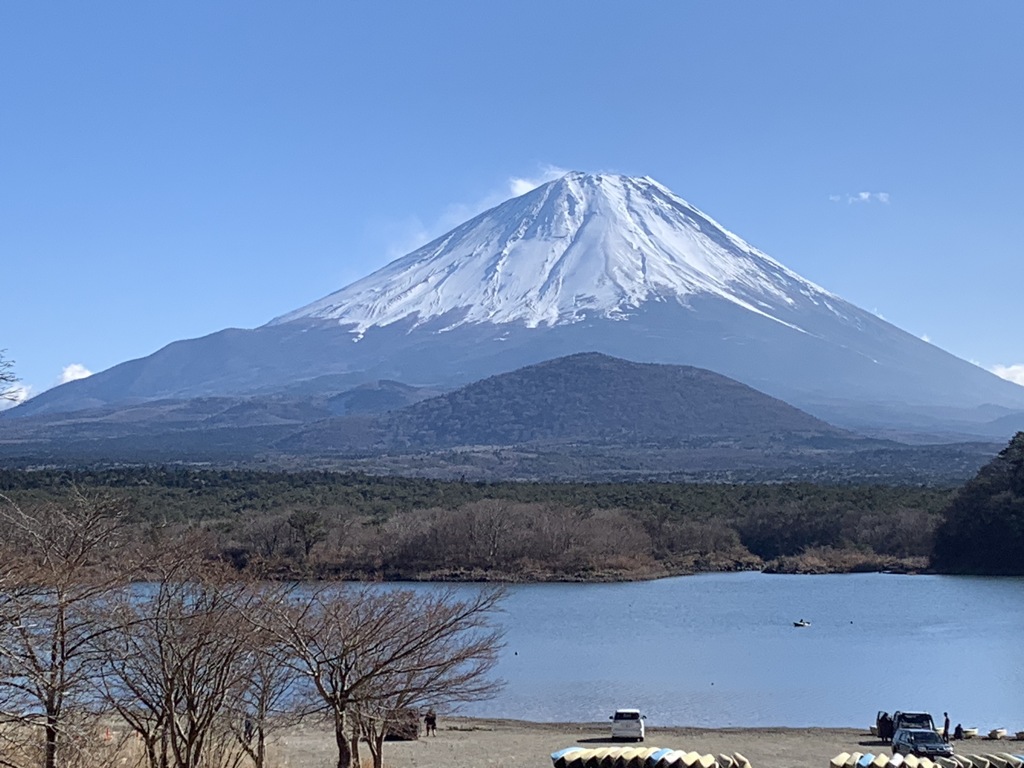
(885, 727)
(945, 727)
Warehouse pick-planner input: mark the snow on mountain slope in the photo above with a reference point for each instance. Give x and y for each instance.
(583, 246)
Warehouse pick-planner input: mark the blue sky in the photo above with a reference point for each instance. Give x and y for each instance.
(171, 169)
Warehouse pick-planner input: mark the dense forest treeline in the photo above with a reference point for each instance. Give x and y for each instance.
(983, 529)
(334, 525)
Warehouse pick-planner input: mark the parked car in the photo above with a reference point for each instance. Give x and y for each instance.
(627, 724)
(921, 720)
(922, 742)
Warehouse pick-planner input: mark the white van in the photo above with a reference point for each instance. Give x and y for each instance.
(627, 724)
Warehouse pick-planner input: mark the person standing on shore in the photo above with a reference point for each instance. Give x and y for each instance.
(945, 727)
(430, 721)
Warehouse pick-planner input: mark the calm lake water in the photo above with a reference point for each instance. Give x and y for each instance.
(721, 650)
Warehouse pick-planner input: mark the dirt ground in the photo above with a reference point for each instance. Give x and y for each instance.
(473, 743)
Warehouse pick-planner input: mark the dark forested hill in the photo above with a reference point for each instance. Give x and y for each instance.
(593, 397)
(596, 399)
(983, 531)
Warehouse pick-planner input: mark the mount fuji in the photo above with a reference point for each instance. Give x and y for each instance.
(586, 263)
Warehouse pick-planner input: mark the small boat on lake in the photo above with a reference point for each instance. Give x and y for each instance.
(802, 623)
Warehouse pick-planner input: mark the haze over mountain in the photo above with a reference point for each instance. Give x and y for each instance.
(585, 416)
(589, 262)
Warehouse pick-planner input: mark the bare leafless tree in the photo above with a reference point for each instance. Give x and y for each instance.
(308, 528)
(267, 536)
(370, 649)
(271, 698)
(175, 655)
(7, 379)
(58, 570)
(374, 718)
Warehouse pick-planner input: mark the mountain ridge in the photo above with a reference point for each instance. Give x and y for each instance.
(604, 263)
(586, 416)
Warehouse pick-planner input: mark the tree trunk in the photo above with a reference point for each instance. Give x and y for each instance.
(261, 748)
(341, 738)
(164, 761)
(154, 760)
(378, 750)
(354, 741)
(50, 755)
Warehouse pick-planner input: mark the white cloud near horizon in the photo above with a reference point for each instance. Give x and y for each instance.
(1014, 373)
(74, 372)
(861, 197)
(417, 233)
(19, 393)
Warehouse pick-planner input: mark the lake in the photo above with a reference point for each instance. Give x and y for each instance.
(721, 650)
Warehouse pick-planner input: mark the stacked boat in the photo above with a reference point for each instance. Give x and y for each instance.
(643, 757)
(868, 760)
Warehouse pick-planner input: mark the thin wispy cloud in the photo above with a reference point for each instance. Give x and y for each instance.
(861, 197)
(514, 186)
(406, 236)
(1014, 373)
(415, 233)
(74, 372)
(520, 185)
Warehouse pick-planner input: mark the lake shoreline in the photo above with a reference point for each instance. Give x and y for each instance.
(799, 565)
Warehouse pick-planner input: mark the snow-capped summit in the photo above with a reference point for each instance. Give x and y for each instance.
(582, 246)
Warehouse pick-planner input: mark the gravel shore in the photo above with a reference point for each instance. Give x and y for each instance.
(476, 743)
